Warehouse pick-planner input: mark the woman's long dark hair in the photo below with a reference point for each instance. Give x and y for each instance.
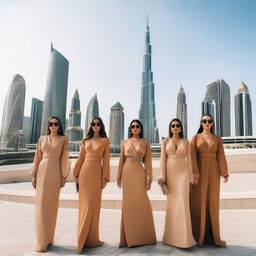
(181, 128)
(90, 132)
(60, 130)
(201, 128)
(130, 130)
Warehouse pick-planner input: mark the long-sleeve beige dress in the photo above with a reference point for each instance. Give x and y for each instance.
(92, 167)
(135, 167)
(176, 171)
(209, 163)
(51, 162)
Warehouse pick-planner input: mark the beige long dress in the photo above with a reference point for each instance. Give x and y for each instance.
(91, 168)
(137, 224)
(176, 171)
(210, 162)
(50, 163)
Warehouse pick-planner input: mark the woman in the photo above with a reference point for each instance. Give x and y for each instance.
(91, 171)
(49, 172)
(137, 225)
(209, 163)
(176, 172)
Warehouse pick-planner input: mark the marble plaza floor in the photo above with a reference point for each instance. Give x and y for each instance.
(17, 236)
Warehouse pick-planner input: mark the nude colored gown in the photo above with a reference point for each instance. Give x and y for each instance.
(210, 162)
(50, 163)
(176, 170)
(137, 224)
(91, 167)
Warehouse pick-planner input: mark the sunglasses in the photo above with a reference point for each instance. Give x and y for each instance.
(95, 124)
(135, 126)
(53, 124)
(175, 125)
(205, 121)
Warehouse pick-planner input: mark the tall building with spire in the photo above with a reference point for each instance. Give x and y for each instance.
(217, 103)
(116, 124)
(74, 130)
(36, 118)
(13, 112)
(181, 113)
(92, 111)
(243, 111)
(55, 98)
(147, 113)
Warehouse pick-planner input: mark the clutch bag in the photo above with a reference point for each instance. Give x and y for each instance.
(164, 188)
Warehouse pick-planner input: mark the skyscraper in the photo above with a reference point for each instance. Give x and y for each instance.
(217, 103)
(13, 112)
(116, 124)
(26, 130)
(36, 118)
(147, 113)
(243, 111)
(182, 110)
(92, 111)
(56, 89)
(74, 130)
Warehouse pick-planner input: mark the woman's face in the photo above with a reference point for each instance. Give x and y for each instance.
(96, 125)
(207, 122)
(175, 127)
(53, 125)
(135, 128)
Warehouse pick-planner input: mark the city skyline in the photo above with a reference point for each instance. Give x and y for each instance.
(113, 68)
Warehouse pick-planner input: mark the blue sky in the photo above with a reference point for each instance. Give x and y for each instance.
(193, 43)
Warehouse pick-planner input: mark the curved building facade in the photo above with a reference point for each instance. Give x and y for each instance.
(243, 111)
(92, 111)
(55, 98)
(74, 130)
(116, 124)
(218, 98)
(12, 120)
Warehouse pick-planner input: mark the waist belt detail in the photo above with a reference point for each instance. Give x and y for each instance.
(206, 155)
(133, 159)
(93, 158)
(175, 157)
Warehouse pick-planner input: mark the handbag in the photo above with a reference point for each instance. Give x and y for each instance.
(164, 188)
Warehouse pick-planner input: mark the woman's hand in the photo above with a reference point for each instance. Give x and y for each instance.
(160, 180)
(225, 178)
(148, 184)
(119, 183)
(34, 182)
(195, 178)
(62, 182)
(103, 183)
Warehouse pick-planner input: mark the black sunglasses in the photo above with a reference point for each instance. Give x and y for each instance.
(204, 121)
(95, 124)
(175, 125)
(135, 126)
(53, 124)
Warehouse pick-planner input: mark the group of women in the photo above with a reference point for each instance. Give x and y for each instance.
(191, 172)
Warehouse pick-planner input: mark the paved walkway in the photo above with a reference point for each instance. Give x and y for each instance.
(239, 185)
(17, 236)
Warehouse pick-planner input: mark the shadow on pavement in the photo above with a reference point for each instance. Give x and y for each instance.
(158, 249)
